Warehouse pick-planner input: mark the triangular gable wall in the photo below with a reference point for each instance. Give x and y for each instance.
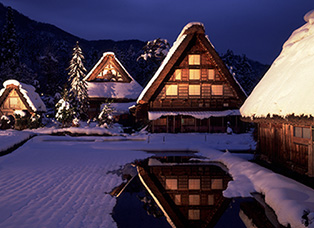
(192, 40)
(108, 69)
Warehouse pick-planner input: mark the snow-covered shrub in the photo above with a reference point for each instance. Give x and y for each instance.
(6, 122)
(105, 117)
(64, 113)
(22, 119)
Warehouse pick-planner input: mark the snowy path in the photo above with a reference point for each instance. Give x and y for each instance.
(49, 184)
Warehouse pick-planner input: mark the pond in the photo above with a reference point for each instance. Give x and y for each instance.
(173, 192)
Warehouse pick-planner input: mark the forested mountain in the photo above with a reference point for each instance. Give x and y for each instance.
(45, 51)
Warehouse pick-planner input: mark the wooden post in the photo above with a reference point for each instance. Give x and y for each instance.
(167, 124)
(311, 156)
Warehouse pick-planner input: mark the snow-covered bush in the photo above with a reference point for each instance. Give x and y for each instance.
(105, 117)
(64, 113)
(6, 122)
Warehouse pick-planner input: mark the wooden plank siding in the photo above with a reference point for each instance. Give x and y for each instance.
(278, 145)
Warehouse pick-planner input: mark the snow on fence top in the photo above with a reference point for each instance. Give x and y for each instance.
(287, 87)
(28, 92)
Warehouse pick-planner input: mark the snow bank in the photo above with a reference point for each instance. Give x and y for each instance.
(10, 138)
(287, 87)
(153, 115)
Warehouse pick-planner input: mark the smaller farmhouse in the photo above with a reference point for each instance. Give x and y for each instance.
(193, 90)
(17, 96)
(109, 81)
(282, 104)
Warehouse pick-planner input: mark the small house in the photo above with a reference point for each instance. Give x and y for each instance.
(16, 96)
(282, 104)
(193, 90)
(109, 81)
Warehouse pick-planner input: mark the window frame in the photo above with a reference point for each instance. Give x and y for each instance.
(170, 90)
(194, 59)
(213, 90)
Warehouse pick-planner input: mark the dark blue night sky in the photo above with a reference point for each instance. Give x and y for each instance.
(257, 28)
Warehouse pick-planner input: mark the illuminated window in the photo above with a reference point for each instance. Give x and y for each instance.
(177, 199)
(194, 214)
(194, 59)
(217, 90)
(171, 184)
(302, 132)
(194, 184)
(194, 90)
(211, 200)
(211, 74)
(194, 74)
(194, 200)
(177, 74)
(171, 90)
(14, 102)
(217, 184)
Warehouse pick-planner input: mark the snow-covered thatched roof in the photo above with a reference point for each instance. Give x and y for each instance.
(33, 101)
(288, 86)
(112, 89)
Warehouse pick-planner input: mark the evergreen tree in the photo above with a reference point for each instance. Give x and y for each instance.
(78, 87)
(105, 117)
(65, 112)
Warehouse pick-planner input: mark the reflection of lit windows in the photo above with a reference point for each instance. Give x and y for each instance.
(194, 74)
(194, 59)
(302, 132)
(194, 214)
(171, 184)
(177, 199)
(171, 90)
(217, 90)
(217, 184)
(194, 200)
(211, 200)
(194, 90)
(194, 184)
(211, 74)
(177, 74)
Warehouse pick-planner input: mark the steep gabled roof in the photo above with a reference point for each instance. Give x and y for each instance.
(127, 88)
(27, 94)
(176, 51)
(287, 87)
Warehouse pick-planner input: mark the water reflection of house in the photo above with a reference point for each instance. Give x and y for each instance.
(109, 81)
(189, 195)
(193, 90)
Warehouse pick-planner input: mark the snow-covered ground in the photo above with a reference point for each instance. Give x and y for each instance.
(62, 181)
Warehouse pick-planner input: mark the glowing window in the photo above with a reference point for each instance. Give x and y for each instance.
(194, 184)
(194, 214)
(194, 200)
(171, 184)
(211, 74)
(211, 200)
(177, 199)
(194, 74)
(217, 184)
(194, 90)
(177, 74)
(194, 59)
(171, 90)
(14, 102)
(217, 90)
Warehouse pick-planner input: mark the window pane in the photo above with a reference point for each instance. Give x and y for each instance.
(177, 74)
(217, 90)
(297, 132)
(194, 59)
(194, 90)
(306, 133)
(194, 184)
(194, 200)
(211, 200)
(194, 215)
(171, 90)
(171, 184)
(177, 199)
(211, 74)
(217, 184)
(14, 102)
(194, 74)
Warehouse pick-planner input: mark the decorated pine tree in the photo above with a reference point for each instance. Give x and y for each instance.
(78, 87)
